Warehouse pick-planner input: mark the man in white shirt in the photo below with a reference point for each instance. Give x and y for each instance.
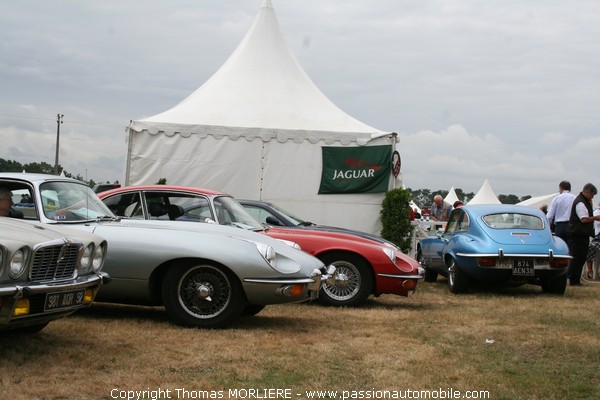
(559, 211)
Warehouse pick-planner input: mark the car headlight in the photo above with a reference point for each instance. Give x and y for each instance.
(99, 256)
(86, 258)
(268, 253)
(293, 245)
(18, 263)
(390, 253)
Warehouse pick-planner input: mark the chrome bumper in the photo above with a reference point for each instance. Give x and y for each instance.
(317, 279)
(82, 282)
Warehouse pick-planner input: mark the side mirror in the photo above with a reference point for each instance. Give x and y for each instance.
(273, 221)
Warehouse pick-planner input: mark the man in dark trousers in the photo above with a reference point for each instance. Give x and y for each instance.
(581, 225)
(559, 211)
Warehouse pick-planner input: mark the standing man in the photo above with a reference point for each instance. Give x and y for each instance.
(440, 210)
(559, 212)
(581, 226)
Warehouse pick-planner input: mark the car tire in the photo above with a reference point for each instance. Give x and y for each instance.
(430, 274)
(202, 296)
(252, 309)
(354, 281)
(457, 280)
(555, 285)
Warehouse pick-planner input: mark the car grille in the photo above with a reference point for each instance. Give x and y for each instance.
(55, 262)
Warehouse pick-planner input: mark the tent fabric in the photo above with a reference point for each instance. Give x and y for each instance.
(262, 85)
(485, 195)
(538, 201)
(255, 130)
(451, 197)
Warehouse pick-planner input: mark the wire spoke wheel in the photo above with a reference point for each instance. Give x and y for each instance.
(347, 282)
(204, 292)
(353, 283)
(202, 295)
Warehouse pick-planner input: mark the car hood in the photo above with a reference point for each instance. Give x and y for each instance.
(35, 232)
(308, 232)
(303, 258)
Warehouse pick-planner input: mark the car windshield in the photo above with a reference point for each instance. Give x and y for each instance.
(513, 221)
(290, 216)
(70, 201)
(230, 212)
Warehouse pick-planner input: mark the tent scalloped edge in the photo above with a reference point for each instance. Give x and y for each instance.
(250, 134)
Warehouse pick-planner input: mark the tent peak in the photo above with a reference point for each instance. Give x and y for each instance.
(266, 4)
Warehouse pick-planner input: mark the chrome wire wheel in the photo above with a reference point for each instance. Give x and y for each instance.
(347, 282)
(354, 280)
(204, 291)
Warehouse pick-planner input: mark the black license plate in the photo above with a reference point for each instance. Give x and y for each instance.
(523, 268)
(58, 300)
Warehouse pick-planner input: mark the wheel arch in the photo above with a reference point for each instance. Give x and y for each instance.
(338, 253)
(157, 276)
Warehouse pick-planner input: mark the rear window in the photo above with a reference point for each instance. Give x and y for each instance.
(513, 221)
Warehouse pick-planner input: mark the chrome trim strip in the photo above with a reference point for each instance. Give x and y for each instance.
(512, 255)
(414, 276)
(278, 281)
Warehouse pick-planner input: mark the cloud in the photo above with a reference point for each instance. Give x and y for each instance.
(503, 90)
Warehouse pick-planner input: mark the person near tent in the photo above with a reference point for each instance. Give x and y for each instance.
(458, 204)
(440, 209)
(594, 247)
(559, 211)
(581, 225)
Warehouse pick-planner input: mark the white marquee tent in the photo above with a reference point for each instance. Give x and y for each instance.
(485, 195)
(255, 130)
(451, 197)
(539, 201)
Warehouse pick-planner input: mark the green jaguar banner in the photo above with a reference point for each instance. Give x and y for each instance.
(364, 169)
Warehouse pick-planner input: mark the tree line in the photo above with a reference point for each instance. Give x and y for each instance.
(39, 168)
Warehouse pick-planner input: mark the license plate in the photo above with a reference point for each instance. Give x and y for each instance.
(523, 268)
(58, 300)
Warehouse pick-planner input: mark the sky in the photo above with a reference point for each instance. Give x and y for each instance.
(503, 90)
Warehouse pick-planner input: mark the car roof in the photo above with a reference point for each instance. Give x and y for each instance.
(484, 209)
(259, 202)
(208, 192)
(34, 177)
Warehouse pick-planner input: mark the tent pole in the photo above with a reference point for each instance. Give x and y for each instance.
(128, 160)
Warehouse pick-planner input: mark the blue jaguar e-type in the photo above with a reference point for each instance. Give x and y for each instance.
(496, 245)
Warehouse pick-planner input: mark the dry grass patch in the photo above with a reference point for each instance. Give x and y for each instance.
(515, 343)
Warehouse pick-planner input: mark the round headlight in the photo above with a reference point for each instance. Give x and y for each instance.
(99, 255)
(86, 257)
(18, 263)
(268, 253)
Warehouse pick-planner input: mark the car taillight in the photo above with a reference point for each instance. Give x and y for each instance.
(486, 261)
(409, 284)
(559, 262)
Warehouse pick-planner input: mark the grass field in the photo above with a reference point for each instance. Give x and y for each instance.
(505, 344)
